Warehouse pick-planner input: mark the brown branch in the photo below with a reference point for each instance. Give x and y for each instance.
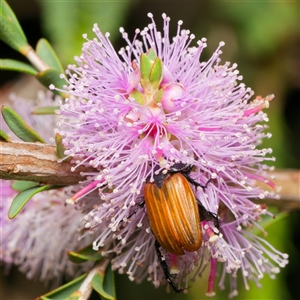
(289, 181)
(38, 162)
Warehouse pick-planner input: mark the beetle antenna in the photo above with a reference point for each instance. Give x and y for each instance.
(165, 268)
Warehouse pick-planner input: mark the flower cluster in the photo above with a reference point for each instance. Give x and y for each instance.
(37, 240)
(136, 113)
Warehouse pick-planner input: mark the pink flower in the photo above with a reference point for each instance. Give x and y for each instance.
(38, 238)
(154, 104)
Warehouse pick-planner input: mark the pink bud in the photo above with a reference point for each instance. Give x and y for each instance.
(172, 93)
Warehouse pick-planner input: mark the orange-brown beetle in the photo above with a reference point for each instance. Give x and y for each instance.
(175, 214)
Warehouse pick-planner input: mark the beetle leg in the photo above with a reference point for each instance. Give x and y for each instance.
(195, 183)
(206, 215)
(165, 268)
(140, 205)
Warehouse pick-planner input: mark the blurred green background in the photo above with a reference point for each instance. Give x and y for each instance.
(261, 36)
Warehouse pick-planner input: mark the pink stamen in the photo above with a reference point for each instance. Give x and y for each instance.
(173, 265)
(262, 179)
(253, 110)
(87, 189)
(209, 129)
(211, 279)
(264, 104)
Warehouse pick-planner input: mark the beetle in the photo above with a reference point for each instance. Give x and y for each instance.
(175, 213)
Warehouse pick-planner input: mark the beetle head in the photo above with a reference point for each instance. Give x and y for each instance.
(179, 167)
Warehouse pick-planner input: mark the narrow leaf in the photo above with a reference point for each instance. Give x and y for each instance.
(109, 282)
(14, 65)
(23, 185)
(146, 66)
(267, 222)
(75, 296)
(11, 32)
(85, 254)
(49, 77)
(60, 149)
(46, 52)
(22, 198)
(158, 96)
(151, 54)
(4, 136)
(97, 283)
(138, 96)
(65, 291)
(156, 72)
(45, 110)
(19, 127)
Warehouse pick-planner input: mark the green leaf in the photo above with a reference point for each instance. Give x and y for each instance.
(151, 54)
(45, 110)
(23, 185)
(98, 285)
(22, 198)
(75, 296)
(46, 52)
(156, 73)
(109, 282)
(138, 96)
(267, 222)
(4, 136)
(20, 185)
(60, 149)
(19, 127)
(151, 70)
(51, 76)
(158, 96)
(146, 65)
(11, 32)
(14, 65)
(85, 254)
(67, 291)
